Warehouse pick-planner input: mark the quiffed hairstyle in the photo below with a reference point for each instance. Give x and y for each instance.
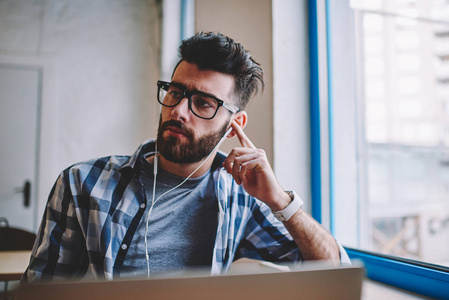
(217, 52)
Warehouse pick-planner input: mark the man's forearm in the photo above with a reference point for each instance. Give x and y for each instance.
(312, 239)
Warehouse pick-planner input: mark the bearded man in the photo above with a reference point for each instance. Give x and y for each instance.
(177, 202)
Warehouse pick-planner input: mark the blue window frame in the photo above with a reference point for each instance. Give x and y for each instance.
(422, 278)
(187, 19)
(425, 279)
(315, 133)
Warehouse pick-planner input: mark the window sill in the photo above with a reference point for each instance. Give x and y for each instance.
(373, 290)
(428, 280)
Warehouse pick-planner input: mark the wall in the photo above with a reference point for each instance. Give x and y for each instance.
(291, 111)
(100, 60)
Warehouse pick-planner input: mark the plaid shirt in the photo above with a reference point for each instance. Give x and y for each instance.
(94, 208)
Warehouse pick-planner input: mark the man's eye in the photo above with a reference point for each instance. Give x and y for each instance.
(175, 94)
(203, 103)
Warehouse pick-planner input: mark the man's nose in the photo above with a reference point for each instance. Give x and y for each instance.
(181, 111)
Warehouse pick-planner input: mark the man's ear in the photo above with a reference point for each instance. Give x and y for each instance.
(240, 118)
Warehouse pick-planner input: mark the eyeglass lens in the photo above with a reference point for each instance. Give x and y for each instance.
(201, 105)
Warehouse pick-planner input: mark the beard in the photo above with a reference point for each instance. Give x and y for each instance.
(194, 150)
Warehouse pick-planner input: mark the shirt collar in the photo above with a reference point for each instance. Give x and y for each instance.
(133, 162)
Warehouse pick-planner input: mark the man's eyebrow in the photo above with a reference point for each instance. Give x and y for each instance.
(178, 85)
(183, 87)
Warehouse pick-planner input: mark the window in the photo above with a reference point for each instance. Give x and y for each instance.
(404, 61)
(388, 123)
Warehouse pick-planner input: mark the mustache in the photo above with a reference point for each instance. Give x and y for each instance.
(177, 124)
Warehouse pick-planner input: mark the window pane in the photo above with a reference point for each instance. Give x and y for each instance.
(405, 82)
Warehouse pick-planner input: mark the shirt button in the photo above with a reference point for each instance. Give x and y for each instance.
(142, 205)
(124, 246)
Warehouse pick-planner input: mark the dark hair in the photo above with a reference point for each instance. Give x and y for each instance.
(217, 52)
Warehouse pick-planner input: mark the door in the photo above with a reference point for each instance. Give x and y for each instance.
(19, 136)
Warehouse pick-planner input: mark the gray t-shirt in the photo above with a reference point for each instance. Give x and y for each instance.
(182, 226)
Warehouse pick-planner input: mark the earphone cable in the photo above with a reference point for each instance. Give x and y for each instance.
(153, 202)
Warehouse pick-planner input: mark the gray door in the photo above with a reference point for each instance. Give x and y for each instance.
(19, 136)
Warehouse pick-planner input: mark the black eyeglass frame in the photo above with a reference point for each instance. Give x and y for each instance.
(188, 94)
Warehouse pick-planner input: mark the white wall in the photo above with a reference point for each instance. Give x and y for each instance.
(291, 109)
(101, 63)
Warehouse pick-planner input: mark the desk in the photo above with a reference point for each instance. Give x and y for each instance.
(13, 264)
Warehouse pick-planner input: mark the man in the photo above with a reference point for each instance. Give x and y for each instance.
(177, 202)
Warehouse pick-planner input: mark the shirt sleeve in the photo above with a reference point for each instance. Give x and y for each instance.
(59, 250)
(266, 238)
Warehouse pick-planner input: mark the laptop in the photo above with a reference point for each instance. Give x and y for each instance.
(244, 281)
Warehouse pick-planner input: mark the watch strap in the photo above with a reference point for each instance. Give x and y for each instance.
(291, 209)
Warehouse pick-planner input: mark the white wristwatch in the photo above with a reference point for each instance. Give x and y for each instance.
(289, 211)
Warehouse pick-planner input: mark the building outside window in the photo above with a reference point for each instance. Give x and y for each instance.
(403, 120)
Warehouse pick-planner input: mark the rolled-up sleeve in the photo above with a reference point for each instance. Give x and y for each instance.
(266, 238)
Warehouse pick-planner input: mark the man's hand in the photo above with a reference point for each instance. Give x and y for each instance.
(250, 167)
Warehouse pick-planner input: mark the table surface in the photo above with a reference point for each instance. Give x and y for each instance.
(13, 264)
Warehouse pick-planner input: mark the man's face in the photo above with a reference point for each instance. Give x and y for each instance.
(184, 137)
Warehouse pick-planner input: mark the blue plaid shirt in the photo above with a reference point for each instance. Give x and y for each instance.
(94, 208)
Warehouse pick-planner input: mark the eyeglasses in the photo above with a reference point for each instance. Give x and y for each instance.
(201, 104)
